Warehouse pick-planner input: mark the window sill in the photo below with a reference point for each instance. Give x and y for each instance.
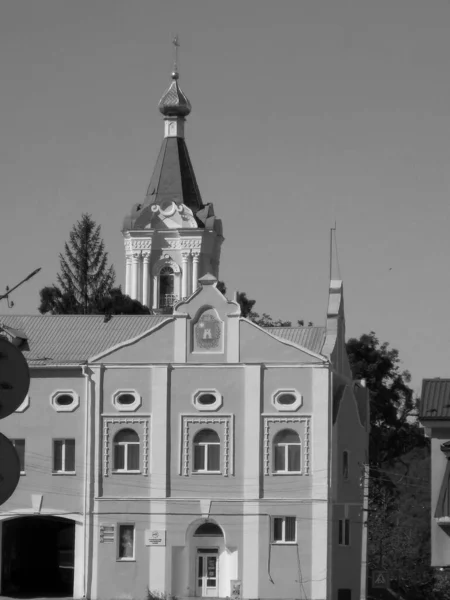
(128, 560)
(287, 473)
(206, 472)
(118, 472)
(282, 543)
(64, 473)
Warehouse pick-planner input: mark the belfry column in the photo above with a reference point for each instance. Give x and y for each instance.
(195, 260)
(145, 278)
(155, 291)
(135, 275)
(185, 274)
(128, 274)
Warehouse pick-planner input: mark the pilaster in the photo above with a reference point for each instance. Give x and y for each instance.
(136, 256)
(195, 261)
(145, 278)
(128, 274)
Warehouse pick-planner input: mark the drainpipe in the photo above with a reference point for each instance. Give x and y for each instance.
(87, 471)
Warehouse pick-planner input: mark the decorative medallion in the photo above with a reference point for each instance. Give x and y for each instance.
(208, 332)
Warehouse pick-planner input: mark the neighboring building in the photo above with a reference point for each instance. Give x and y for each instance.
(434, 415)
(192, 453)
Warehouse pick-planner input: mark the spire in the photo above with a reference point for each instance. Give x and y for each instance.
(173, 102)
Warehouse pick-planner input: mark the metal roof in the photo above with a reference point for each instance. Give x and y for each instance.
(73, 339)
(435, 399)
(311, 338)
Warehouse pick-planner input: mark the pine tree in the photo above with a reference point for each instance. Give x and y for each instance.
(85, 279)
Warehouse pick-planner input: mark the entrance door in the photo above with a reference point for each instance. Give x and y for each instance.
(207, 575)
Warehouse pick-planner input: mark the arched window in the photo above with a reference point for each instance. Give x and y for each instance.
(286, 452)
(208, 529)
(126, 451)
(166, 286)
(207, 451)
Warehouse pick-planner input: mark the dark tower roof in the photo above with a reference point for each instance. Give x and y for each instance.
(173, 178)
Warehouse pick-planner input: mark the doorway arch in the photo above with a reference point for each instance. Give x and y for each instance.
(38, 556)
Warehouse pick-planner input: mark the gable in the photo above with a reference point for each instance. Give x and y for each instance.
(258, 345)
(154, 346)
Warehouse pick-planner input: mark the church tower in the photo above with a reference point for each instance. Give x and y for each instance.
(171, 238)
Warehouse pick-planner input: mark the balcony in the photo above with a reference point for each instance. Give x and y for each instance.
(167, 300)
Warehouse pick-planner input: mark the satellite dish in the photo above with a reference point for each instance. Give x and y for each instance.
(14, 378)
(9, 469)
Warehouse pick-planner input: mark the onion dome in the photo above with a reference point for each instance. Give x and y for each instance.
(173, 102)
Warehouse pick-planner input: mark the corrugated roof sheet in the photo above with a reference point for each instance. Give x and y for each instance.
(311, 338)
(72, 339)
(435, 399)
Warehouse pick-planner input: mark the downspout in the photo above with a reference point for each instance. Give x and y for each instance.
(87, 470)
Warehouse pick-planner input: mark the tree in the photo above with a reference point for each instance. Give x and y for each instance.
(247, 311)
(85, 279)
(399, 460)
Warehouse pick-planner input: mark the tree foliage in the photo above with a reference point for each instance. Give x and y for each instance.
(399, 460)
(247, 304)
(85, 281)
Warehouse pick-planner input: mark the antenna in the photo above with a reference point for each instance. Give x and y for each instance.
(8, 291)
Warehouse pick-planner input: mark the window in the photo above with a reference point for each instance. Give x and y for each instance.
(284, 530)
(126, 451)
(287, 400)
(63, 456)
(207, 452)
(19, 445)
(286, 452)
(345, 464)
(126, 400)
(207, 400)
(344, 594)
(125, 550)
(65, 401)
(167, 287)
(344, 532)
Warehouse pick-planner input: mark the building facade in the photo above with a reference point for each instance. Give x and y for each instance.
(187, 452)
(434, 415)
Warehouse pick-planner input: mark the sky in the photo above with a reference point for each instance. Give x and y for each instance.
(305, 113)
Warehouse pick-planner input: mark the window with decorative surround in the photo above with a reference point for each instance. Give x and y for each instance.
(126, 400)
(206, 451)
(207, 400)
(65, 401)
(112, 425)
(126, 451)
(287, 400)
(191, 425)
(273, 426)
(287, 449)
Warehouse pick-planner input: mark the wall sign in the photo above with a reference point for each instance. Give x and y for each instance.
(235, 589)
(155, 537)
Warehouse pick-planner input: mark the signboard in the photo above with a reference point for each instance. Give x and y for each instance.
(106, 533)
(380, 579)
(235, 589)
(155, 537)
